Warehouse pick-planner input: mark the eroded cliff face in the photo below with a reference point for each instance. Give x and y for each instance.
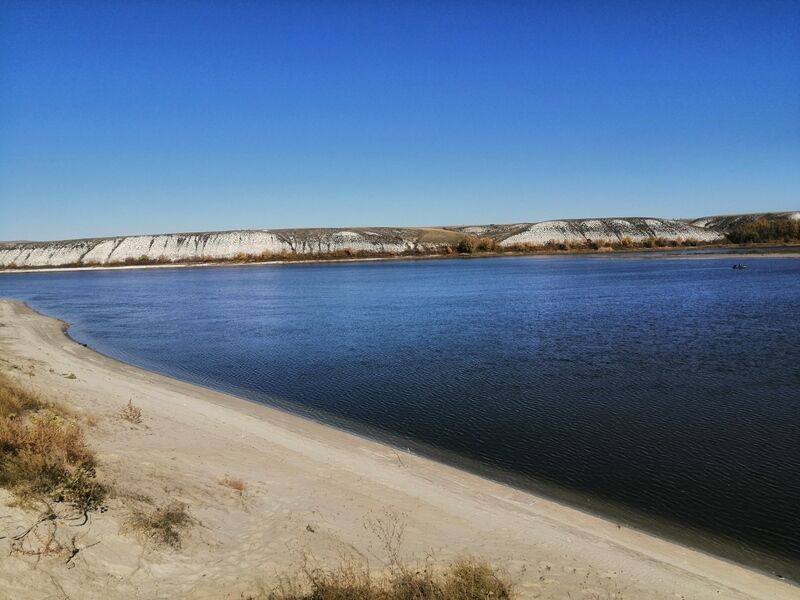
(218, 246)
(582, 230)
(183, 247)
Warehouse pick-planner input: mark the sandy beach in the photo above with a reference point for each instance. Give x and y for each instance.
(314, 494)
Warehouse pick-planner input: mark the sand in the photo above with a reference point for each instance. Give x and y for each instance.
(314, 494)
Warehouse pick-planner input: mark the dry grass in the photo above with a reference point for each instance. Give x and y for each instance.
(164, 525)
(43, 453)
(465, 579)
(602, 245)
(234, 483)
(16, 400)
(131, 413)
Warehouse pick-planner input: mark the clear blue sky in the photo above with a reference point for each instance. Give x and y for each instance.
(136, 117)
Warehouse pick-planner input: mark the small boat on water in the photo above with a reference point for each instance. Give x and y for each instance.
(739, 266)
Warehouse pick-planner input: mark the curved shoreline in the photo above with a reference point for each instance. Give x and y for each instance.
(463, 512)
(705, 541)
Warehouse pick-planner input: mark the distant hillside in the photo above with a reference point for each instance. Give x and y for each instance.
(361, 241)
(636, 229)
(725, 223)
(222, 245)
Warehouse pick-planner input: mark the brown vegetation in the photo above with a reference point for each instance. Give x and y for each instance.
(234, 483)
(15, 400)
(131, 413)
(778, 230)
(466, 245)
(601, 245)
(45, 462)
(465, 579)
(43, 453)
(163, 525)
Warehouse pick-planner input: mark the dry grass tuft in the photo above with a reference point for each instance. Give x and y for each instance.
(472, 578)
(465, 579)
(43, 452)
(131, 413)
(16, 400)
(164, 525)
(234, 483)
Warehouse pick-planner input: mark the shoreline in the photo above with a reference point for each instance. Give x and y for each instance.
(707, 542)
(444, 503)
(717, 251)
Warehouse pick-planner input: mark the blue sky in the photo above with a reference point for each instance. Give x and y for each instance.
(137, 117)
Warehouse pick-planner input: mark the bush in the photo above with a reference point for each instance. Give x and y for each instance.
(470, 578)
(466, 245)
(597, 244)
(43, 453)
(766, 230)
(486, 244)
(143, 259)
(131, 413)
(164, 525)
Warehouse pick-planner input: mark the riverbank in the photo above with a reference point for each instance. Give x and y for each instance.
(310, 490)
(735, 251)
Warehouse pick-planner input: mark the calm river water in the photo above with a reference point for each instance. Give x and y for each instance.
(661, 392)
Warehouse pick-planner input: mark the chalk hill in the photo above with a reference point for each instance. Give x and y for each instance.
(223, 245)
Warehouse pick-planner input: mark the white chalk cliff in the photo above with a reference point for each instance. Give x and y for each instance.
(182, 247)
